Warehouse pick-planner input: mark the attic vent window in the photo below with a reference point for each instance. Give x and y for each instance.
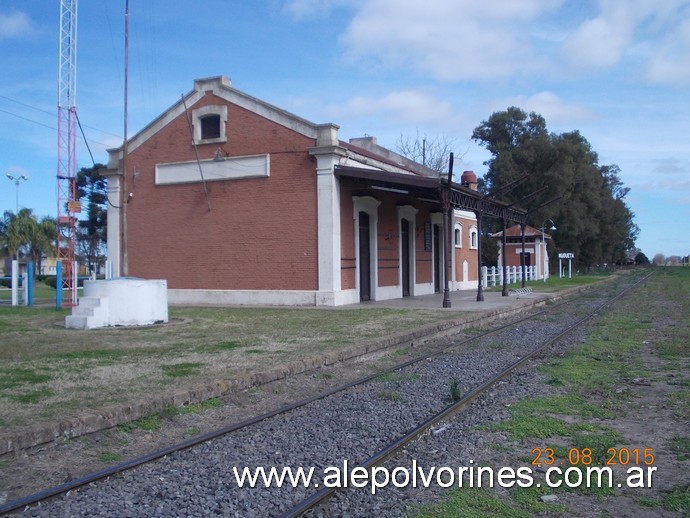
(209, 124)
(210, 127)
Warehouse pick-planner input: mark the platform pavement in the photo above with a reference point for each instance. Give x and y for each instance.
(465, 301)
(470, 313)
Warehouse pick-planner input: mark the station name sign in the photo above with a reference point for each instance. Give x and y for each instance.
(566, 255)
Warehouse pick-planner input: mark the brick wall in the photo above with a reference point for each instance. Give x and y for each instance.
(260, 233)
(466, 253)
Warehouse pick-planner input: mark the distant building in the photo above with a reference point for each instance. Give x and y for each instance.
(536, 253)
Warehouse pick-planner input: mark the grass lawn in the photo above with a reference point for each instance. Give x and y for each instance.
(49, 372)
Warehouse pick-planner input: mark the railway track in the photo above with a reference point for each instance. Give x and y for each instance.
(394, 447)
(359, 413)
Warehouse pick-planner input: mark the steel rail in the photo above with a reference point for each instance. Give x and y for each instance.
(75, 484)
(392, 448)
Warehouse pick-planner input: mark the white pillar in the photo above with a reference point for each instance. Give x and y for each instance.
(114, 224)
(75, 272)
(15, 282)
(327, 155)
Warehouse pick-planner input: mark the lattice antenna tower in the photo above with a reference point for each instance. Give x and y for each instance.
(68, 206)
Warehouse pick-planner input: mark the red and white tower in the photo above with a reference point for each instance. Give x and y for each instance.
(68, 206)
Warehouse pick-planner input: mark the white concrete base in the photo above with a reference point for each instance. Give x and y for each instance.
(122, 301)
(198, 297)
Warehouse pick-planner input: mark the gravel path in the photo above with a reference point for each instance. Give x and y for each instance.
(349, 426)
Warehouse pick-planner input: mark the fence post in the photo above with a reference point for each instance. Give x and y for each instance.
(23, 291)
(30, 283)
(15, 282)
(485, 276)
(75, 278)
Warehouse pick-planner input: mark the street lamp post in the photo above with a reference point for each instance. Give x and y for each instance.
(16, 179)
(544, 262)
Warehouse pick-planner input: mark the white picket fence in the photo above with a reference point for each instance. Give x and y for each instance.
(493, 276)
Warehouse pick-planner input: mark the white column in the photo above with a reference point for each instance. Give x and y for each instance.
(327, 155)
(15, 282)
(328, 201)
(114, 223)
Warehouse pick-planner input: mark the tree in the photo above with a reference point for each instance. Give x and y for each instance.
(91, 190)
(659, 260)
(433, 153)
(591, 215)
(641, 259)
(24, 236)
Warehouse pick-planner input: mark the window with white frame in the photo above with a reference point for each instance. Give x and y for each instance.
(209, 124)
(474, 236)
(457, 235)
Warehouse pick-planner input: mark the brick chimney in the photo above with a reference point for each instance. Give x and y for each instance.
(469, 180)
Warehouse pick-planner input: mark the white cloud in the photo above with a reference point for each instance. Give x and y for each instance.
(14, 24)
(468, 40)
(599, 42)
(400, 107)
(671, 62)
(650, 34)
(550, 106)
(596, 44)
(449, 41)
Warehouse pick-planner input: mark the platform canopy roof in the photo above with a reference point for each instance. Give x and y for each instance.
(515, 232)
(433, 189)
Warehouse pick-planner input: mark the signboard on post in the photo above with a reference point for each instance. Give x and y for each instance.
(569, 256)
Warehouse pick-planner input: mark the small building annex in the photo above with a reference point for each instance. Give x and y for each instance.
(234, 201)
(535, 249)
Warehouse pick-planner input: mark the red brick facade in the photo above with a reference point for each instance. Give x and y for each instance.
(253, 223)
(285, 235)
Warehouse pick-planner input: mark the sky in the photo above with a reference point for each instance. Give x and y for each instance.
(616, 71)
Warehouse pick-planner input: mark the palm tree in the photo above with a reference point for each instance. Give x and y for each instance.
(22, 235)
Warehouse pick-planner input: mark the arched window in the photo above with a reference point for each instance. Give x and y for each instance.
(457, 236)
(209, 124)
(473, 237)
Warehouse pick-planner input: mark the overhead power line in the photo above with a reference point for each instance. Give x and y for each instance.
(50, 113)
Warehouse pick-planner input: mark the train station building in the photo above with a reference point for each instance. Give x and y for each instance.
(234, 201)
